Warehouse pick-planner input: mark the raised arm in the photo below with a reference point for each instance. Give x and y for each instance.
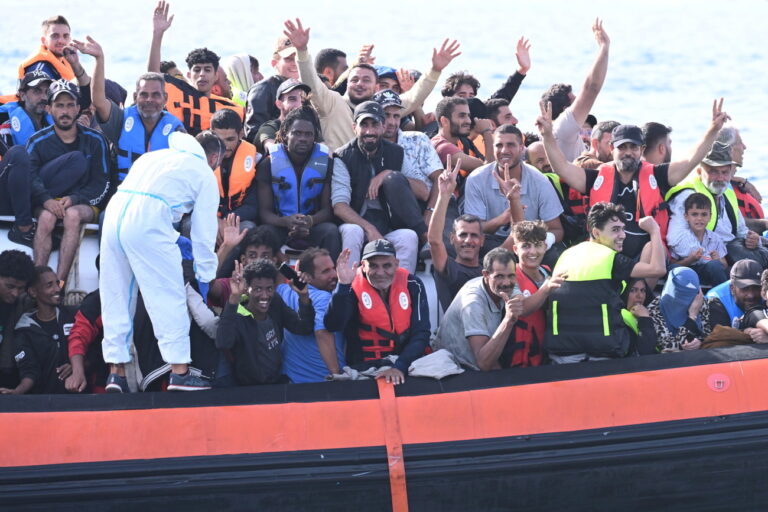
(160, 23)
(98, 96)
(323, 99)
(446, 184)
(414, 98)
(594, 81)
(678, 170)
(510, 87)
(657, 267)
(571, 174)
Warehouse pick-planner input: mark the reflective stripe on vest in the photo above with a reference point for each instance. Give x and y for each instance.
(585, 316)
(22, 126)
(749, 206)
(192, 107)
(649, 198)
(241, 176)
(60, 64)
(130, 146)
(529, 330)
(289, 199)
(382, 326)
(723, 292)
(731, 204)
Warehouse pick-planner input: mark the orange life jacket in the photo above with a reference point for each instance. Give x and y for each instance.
(241, 176)
(749, 206)
(60, 64)
(529, 330)
(649, 198)
(192, 107)
(382, 326)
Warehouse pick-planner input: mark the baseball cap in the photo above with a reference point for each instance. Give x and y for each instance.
(33, 78)
(62, 86)
(368, 109)
(627, 133)
(380, 247)
(388, 98)
(719, 154)
(746, 273)
(386, 72)
(291, 84)
(284, 47)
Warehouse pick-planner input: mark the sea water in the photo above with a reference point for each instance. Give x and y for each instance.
(668, 59)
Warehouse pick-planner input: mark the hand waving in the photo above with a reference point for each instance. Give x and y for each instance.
(160, 19)
(297, 34)
(522, 52)
(344, 271)
(448, 52)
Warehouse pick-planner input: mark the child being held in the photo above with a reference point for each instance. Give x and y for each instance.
(707, 256)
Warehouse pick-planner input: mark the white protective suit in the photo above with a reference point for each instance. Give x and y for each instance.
(139, 251)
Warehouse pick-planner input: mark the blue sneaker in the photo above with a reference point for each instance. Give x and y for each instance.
(187, 382)
(117, 384)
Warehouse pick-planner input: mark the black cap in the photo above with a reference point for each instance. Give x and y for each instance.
(62, 86)
(380, 247)
(291, 84)
(746, 273)
(369, 109)
(33, 78)
(477, 109)
(388, 98)
(626, 133)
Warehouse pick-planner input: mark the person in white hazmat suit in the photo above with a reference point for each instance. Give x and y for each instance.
(139, 252)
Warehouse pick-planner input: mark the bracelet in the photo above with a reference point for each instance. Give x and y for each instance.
(430, 209)
(82, 72)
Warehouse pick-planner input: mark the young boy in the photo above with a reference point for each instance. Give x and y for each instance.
(707, 254)
(535, 282)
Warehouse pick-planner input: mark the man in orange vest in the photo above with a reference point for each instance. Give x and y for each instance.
(382, 309)
(51, 56)
(638, 186)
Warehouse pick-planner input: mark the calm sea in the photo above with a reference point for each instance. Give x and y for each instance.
(669, 59)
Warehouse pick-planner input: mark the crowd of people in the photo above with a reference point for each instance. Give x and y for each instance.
(581, 241)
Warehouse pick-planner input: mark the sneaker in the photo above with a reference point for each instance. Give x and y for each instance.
(187, 382)
(117, 384)
(20, 237)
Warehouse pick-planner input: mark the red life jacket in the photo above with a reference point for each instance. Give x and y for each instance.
(749, 206)
(649, 198)
(529, 330)
(381, 325)
(577, 202)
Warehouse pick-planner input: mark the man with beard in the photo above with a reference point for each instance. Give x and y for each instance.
(69, 173)
(584, 319)
(334, 109)
(41, 339)
(748, 196)
(135, 130)
(30, 114)
(638, 186)
(658, 144)
(294, 186)
(370, 193)
(50, 58)
(453, 117)
(599, 151)
(478, 324)
(729, 301)
(310, 358)
(487, 188)
(16, 272)
(712, 178)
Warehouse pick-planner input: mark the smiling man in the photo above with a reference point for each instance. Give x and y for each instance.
(254, 331)
(485, 199)
(584, 320)
(49, 58)
(31, 114)
(16, 272)
(41, 338)
(382, 309)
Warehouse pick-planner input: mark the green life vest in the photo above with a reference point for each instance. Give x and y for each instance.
(585, 312)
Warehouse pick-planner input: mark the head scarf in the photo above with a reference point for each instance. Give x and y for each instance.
(681, 288)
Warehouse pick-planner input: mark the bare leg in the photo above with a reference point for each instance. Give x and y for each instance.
(41, 247)
(74, 217)
(179, 369)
